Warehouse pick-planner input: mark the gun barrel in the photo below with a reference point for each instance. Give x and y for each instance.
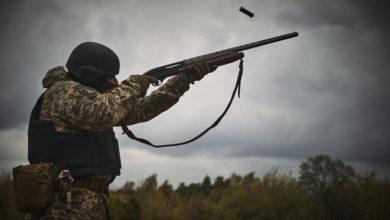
(263, 42)
(242, 47)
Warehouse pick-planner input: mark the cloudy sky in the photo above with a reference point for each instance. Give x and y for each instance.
(325, 92)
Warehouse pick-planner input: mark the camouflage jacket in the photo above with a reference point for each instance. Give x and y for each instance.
(74, 107)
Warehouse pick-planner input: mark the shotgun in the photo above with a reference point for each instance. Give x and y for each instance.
(214, 59)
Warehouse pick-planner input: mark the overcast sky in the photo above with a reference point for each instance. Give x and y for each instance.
(325, 92)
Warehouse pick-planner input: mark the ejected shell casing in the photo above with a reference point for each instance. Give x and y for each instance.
(245, 11)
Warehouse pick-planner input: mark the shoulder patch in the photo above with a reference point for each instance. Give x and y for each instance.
(87, 91)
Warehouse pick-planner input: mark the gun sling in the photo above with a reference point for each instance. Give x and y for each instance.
(237, 87)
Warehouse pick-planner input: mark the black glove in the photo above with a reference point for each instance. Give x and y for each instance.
(196, 72)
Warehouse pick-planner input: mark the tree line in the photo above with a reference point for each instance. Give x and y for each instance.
(326, 188)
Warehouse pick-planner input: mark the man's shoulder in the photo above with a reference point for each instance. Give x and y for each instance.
(70, 88)
(64, 101)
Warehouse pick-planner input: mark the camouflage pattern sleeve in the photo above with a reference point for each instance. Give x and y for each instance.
(157, 102)
(76, 106)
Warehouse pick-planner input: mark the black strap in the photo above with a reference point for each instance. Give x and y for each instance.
(236, 88)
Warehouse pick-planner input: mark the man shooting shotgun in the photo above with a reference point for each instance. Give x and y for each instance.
(72, 148)
(213, 60)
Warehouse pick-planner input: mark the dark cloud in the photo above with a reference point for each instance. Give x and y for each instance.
(337, 84)
(351, 14)
(337, 88)
(36, 35)
(361, 45)
(323, 92)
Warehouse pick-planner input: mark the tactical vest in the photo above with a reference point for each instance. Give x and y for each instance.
(83, 153)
